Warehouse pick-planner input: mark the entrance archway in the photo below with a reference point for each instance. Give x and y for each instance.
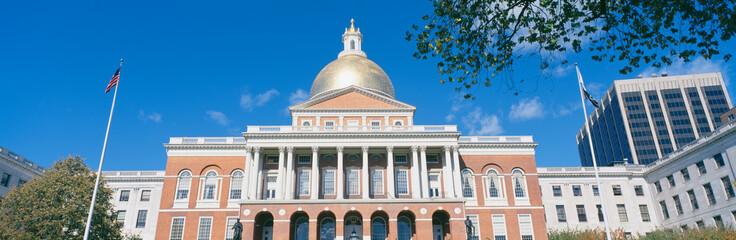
(440, 225)
(263, 229)
(353, 225)
(405, 225)
(379, 225)
(299, 226)
(326, 221)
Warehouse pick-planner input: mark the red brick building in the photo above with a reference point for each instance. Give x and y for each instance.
(351, 166)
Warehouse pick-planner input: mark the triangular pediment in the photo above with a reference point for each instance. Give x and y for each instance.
(352, 97)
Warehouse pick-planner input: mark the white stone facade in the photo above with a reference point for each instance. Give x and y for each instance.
(16, 170)
(133, 193)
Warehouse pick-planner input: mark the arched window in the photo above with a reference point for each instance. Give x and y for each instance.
(378, 229)
(327, 229)
(397, 123)
(184, 182)
(306, 124)
(468, 184)
(493, 184)
(236, 184)
(302, 229)
(210, 186)
(519, 183)
(404, 228)
(352, 44)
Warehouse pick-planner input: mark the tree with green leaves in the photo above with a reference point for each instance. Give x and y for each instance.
(55, 206)
(477, 41)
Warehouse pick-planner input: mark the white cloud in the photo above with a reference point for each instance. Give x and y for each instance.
(564, 110)
(527, 109)
(218, 117)
(698, 65)
(480, 123)
(298, 96)
(248, 102)
(153, 116)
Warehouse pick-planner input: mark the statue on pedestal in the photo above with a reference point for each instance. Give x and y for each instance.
(469, 228)
(237, 230)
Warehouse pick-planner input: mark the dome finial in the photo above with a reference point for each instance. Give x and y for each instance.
(352, 25)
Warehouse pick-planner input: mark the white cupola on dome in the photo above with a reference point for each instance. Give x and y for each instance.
(352, 39)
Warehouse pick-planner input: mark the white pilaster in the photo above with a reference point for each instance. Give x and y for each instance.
(340, 169)
(289, 188)
(366, 183)
(247, 170)
(424, 171)
(447, 175)
(315, 173)
(415, 183)
(280, 179)
(390, 171)
(456, 171)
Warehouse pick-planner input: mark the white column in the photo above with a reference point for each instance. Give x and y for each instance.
(289, 188)
(456, 171)
(447, 176)
(259, 182)
(339, 171)
(254, 173)
(315, 173)
(390, 171)
(280, 180)
(246, 171)
(415, 183)
(366, 183)
(424, 171)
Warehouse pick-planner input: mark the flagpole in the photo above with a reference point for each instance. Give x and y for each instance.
(595, 164)
(102, 159)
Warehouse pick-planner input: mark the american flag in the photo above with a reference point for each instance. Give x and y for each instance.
(113, 81)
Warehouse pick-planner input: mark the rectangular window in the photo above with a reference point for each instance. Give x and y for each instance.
(5, 180)
(304, 159)
(709, 194)
(434, 185)
(719, 160)
(433, 158)
(616, 190)
(622, 213)
(557, 191)
(638, 190)
(205, 228)
(375, 125)
(329, 125)
(236, 186)
(399, 158)
(683, 227)
(377, 182)
(718, 220)
(474, 220)
(561, 213)
(728, 187)
(303, 185)
(671, 179)
(141, 220)
(145, 195)
(701, 168)
(120, 219)
(229, 227)
(693, 199)
(177, 228)
(525, 227)
(402, 181)
(685, 175)
(499, 226)
(21, 182)
(576, 191)
(665, 213)
(124, 195)
(600, 212)
(700, 224)
(644, 213)
(272, 159)
(678, 205)
(270, 186)
(580, 209)
(353, 182)
(595, 191)
(658, 186)
(328, 182)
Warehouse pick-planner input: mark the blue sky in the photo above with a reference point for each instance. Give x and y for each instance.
(210, 69)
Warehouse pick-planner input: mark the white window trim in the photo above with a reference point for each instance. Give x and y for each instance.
(399, 121)
(476, 225)
(227, 228)
(472, 184)
(199, 226)
(328, 127)
(183, 226)
(242, 183)
(408, 181)
(308, 187)
(406, 158)
(176, 191)
(265, 158)
(438, 173)
(269, 174)
(347, 180)
(435, 154)
(520, 200)
(334, 181)
(306, 121)
(501, 186)
(202, 179)
(375, 127)
(497, 231)
(531, 223)
(300, 162)
(383, 180)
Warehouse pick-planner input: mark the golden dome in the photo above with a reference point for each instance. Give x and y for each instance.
(352, 70)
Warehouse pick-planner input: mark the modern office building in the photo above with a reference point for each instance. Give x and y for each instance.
(136, 199)
(642, 120)
(728, 116)
(352, 165)
(16, 170)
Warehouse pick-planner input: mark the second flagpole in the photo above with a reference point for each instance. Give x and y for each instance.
(102, 159)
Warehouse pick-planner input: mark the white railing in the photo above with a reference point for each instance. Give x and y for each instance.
(133, 173)
(295, 129)
(496, 139)
(21, 159)
(207, 140)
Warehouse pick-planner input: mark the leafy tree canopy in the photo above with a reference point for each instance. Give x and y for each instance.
(55, 206)
(476, 41)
